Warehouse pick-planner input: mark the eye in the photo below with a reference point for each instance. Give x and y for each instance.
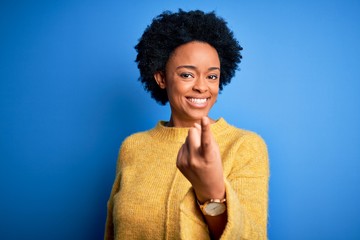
(213, 77)
(186, 75)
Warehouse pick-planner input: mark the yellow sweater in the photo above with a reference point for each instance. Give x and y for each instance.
(151, 199)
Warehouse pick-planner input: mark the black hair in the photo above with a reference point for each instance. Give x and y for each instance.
(170, 30)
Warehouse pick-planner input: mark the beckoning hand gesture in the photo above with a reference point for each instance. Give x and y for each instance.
(199, 161)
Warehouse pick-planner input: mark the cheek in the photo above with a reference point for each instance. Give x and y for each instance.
(179, 89)
(215, 89)
(175, 92)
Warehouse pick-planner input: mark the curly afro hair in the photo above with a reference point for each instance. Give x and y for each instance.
(170, 30)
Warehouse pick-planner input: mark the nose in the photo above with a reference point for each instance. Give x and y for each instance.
(200, 85)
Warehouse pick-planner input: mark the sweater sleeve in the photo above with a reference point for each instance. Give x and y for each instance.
(247, 191)
(109, 225)
(246, 187)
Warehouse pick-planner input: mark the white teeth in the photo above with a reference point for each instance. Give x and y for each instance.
(198, 100)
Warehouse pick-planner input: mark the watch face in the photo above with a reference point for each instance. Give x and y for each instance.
(214, 208)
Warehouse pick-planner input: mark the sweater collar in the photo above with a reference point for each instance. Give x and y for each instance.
(179, 134)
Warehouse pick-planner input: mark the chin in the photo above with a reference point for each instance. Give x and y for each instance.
(197, 117)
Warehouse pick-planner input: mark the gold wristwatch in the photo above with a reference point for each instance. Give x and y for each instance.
(213, 207)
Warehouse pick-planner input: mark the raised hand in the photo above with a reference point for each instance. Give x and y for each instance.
(199, 161)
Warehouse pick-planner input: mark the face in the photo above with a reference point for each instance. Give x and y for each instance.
(191, 80)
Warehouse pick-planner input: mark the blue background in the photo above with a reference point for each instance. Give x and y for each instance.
(69, 95)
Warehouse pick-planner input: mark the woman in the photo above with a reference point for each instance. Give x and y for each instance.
(190, 177)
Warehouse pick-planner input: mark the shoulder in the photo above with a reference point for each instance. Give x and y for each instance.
(231, 133)
(246, 151)
(135, 139)
(251, 148)
(129, 147)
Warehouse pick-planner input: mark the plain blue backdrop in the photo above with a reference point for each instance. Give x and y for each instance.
(69, 95)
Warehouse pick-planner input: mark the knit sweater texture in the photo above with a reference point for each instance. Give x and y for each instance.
(151, 199)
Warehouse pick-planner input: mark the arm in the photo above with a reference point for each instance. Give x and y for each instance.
(200, 162)
(247, 189)
(246, 186)
(109, 226)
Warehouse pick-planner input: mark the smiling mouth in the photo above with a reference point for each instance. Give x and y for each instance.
(198, 100)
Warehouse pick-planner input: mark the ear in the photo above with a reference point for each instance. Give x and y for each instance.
(160, 79)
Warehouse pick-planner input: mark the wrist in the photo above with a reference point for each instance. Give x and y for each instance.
(202, 197)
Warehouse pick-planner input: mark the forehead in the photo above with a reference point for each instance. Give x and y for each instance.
(195, 53)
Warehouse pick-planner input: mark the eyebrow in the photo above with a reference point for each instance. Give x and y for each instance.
(193, 67)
